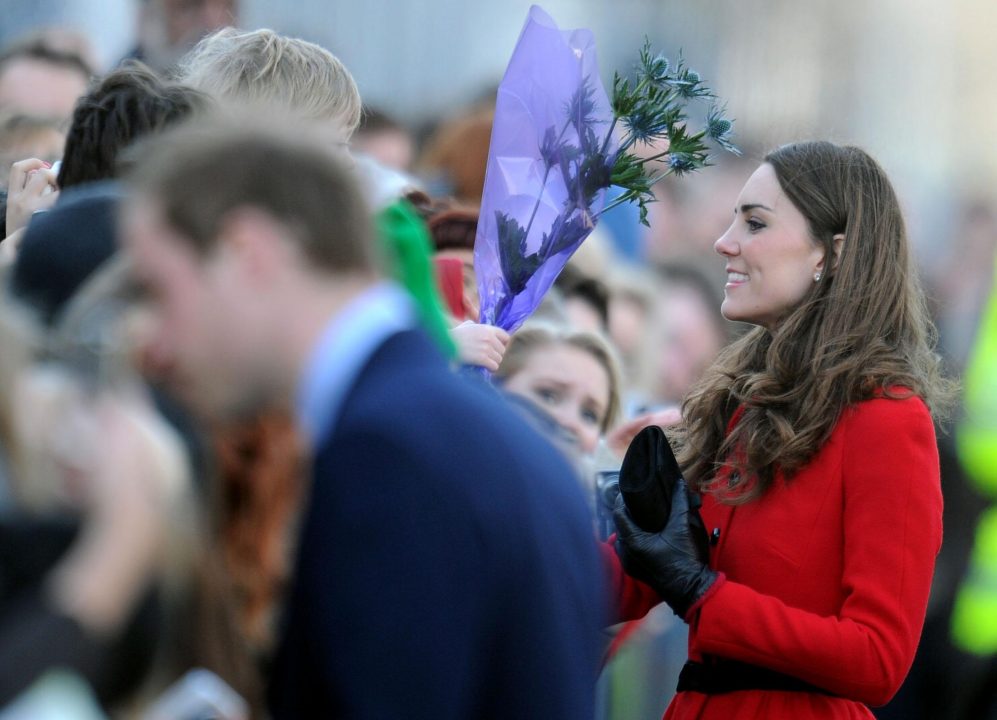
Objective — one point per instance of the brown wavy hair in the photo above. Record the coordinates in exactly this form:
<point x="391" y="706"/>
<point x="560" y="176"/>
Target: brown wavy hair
<point x="862" y="330"/>
<point x="261" y="479"/>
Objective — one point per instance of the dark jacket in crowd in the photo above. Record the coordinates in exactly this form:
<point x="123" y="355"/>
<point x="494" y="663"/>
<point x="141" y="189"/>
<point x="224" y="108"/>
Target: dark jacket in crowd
<point x="446" y="566"/>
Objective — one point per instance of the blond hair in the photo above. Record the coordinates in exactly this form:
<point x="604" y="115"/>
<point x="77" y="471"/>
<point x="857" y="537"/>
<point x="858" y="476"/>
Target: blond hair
<point x="200" y="173"/>
<point x="264" y="68"/>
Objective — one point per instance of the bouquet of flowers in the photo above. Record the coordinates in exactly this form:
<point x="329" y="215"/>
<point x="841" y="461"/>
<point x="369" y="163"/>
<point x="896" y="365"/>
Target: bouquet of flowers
<point x="555" y="151"/>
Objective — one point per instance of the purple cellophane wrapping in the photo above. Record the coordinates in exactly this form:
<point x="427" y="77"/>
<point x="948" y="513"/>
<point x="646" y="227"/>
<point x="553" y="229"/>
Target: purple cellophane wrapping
<point x="547" y="68"/>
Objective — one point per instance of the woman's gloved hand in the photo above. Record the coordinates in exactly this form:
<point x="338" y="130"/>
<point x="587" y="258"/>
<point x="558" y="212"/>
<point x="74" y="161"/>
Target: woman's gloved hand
<point x="673" y="561"/>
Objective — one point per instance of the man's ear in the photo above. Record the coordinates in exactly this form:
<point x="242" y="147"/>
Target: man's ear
<point x="255" y="240"/>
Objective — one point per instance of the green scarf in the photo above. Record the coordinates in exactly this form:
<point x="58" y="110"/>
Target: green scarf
<point x="407" y="249"/>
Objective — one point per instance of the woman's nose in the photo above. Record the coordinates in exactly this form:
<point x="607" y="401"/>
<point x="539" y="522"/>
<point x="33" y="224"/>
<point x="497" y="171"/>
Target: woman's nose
<point x="725" y="244"/>
<point x="569" y="423"/>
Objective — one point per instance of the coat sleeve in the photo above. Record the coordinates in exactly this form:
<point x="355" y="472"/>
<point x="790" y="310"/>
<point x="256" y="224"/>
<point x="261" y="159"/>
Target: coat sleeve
<point x="892" y="533"/>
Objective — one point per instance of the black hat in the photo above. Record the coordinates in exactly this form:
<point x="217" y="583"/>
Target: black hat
<point x="64" y="246"/>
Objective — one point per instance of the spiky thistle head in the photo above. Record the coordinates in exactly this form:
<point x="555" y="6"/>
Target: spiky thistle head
<point x="688" y="83"/>
<point x="653" y="68"/>
<point x="681" y="163"/>
<point x="720" y="129"/>
<point x="581" y="107"/>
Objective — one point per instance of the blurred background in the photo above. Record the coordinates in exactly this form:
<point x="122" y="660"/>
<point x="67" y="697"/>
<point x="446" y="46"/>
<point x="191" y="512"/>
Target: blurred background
<point x="905" y="79"/>
<point x="908" y="80"/>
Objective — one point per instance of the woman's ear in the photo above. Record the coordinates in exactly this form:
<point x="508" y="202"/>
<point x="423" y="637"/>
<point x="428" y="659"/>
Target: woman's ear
<point x="838" y="240"/>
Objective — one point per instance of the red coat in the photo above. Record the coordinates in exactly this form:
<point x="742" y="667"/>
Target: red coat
<point x="827" y="576"/>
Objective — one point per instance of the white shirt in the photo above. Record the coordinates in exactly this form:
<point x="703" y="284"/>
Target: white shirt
<point x="344" y="347"/>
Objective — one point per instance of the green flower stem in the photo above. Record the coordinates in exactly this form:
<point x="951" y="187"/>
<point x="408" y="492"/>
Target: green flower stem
<point x="618" y="201"/>
<point x="536" y="205"/>
<point x="609" y="135"/>
<point x="659" y="178"/>
<point x="654" y="157"/>
<point x="624" y="199"/>
<point x="543" y="183"/>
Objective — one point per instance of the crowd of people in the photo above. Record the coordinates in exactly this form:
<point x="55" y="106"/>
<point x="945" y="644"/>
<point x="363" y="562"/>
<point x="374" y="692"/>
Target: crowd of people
<point x="259" y="457"/>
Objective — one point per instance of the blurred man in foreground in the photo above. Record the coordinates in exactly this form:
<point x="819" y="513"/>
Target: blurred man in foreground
<point x="446" y="566"/>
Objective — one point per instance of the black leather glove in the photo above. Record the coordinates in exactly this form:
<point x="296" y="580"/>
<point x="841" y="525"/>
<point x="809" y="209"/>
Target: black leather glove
<point x="696" y="527"/>
<point x="673" y="561"/>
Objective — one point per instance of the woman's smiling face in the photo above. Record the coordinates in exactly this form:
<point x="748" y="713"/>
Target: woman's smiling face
<point x="771" y="257"/>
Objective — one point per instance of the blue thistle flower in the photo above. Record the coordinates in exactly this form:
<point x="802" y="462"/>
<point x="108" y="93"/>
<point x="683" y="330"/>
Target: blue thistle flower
<point x="581" y="107"/>
<point x="681" y="163"/>
<point x="646" y="125"/>
<point x="549" y="147"/>
<point x="689" y="85"/>
<point x="651" y="109"/>
<point x="720" y="129"/>
<point x="655" y="68"/>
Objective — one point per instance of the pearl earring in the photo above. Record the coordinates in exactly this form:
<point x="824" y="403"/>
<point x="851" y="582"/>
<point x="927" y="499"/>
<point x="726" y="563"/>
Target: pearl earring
<point x="816" y="277"/>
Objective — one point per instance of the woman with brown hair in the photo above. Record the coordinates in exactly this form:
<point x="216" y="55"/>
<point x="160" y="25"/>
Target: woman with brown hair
<point x="810" y="442"/>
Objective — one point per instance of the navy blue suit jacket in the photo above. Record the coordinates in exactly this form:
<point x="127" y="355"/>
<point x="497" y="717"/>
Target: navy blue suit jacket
<point x="447" y="565"/>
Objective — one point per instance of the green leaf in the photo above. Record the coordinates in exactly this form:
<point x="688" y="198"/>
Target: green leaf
<point x="654" y="107"/>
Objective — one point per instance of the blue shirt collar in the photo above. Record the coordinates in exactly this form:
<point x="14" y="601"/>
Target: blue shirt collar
<point x="344" y="347"/>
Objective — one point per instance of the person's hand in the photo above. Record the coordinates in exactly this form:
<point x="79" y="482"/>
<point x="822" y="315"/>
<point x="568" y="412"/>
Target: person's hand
<point x="673" y="562"/>
<point x="32" y="187"/>
<point x="620" y="437"/>
<point x="482" y="345"/>
<point x="134" y="448"/>
<point x="9" y="247"/>
<point x="129" y="480"/>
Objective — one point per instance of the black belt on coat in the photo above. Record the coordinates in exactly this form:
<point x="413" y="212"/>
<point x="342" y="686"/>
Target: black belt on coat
<point x="723" y="676"/>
